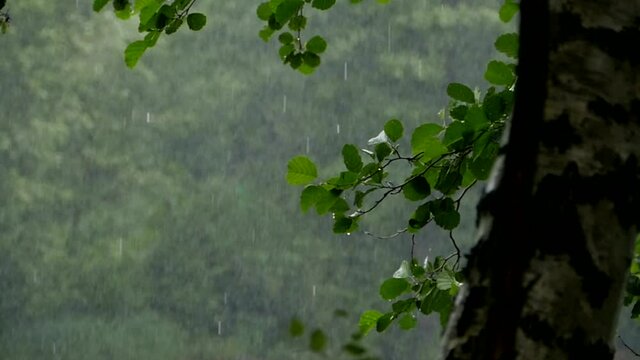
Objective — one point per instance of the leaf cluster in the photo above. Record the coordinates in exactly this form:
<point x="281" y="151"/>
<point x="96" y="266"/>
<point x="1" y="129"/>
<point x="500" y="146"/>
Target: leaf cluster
<point x="431" y="288"/>
<point x="155" y="18"/>
<point x="287" y="17"/>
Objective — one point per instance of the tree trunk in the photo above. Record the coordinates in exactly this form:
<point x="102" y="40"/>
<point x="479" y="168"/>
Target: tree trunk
<point x="557" y="223"/>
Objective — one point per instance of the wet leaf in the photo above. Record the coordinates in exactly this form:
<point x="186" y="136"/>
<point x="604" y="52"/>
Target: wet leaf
<point x="301" y="170"/>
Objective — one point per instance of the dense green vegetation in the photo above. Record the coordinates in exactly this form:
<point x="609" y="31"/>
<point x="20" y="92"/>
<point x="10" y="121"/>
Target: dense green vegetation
<point x="146" y="213"/>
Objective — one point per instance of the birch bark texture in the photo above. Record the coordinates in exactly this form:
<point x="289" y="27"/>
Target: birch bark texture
<point x="560" y="212"/>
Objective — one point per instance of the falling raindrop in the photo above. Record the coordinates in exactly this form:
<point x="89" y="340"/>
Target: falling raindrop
<point x="346" y="68"/>
<point x="337" y="128"/>
<point x="225" y="298"/>
<point x="219" y="327"/>
<point x="35" y="276"/>
<point x="308" y="145"/>
<point x="284" y="103"/>
<point x="313" y="291"/>
<point x="53" y="347"/>
<point x="229" y="156"/>
<point x="120" y="246"/>
<point x="389" y="38"/>
<point x="420" y="69"/>
<point x="148" y="117"/>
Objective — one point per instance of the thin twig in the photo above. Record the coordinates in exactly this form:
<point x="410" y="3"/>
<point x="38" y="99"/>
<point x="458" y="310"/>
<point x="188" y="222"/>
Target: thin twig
<point x="464" y="192"/>
<point x="628" y="347"/>
<point x="386" y="237"/>
<point x="453" y="241"/>
<point x="413" y="244"/>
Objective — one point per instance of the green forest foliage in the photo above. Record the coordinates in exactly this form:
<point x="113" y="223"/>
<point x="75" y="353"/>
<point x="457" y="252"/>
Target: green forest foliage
<point x="146" y="214"/>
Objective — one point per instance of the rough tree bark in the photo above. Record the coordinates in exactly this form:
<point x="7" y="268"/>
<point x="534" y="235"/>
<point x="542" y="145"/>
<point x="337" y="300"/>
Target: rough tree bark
<point x="557" y="223"/>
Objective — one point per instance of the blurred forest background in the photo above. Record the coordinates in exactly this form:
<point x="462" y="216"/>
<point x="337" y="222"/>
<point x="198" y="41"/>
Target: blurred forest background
<point x="144" y="213"/>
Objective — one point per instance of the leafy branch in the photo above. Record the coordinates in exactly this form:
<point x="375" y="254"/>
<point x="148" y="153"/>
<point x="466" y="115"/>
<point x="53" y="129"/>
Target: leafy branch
<point x="446" y="161"/>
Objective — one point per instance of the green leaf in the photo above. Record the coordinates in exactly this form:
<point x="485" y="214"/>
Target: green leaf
<point x="120" y="5"/>
<point x="295" y="60"/>
<point x="286" y="50"/>
<point x="449" y="180"/>
<point x="318" y="341"/>
<point x="404" y="271"/>
<point x="310" y="196"/>
<point x="382" y="150"/>
<point x="436" y="301"/>
<point x="458" y="112"/>
<point x="287" y="9"/>
<point x="384" y="321"/>
<point x="481" y="166"/>
<point x="296" y="328"/>
<point x="301" y="170"/>
<point x="499" y="73"/>
<point x="151" y="38"/>
<point x="457" y="135"/>
<point x="394" y="130"/>
<point x="408" y="322"/>
<point x="461" y="92"/>
<point x="173" y="26"/>
<point x="416" y="189"/>
<point x="196" y="21"/>
<point x="323" y="4"/>
<point x="494" y="107"/>
<point x="285" y="38"/>
<point x="316" y="45"/>
<point x="134" y="52"/>
<point x="306" y="69"/>
<point x="420" y="217"/>
<point x="266" y="33"/>
<point x="273" y="23"/>
<point x="508" y="10"/>
<point x="445" y="213"/>
<point x="264" y="11"/>
<point x="328" y="201"/>
<point x="352" y="159"/>
<point x="393" y="287"/>
<point x="311" y="59"/>
<point x="446" y="280"/>
<point x="475" y="118"/>
<point x="297" y="23"/>
<point x="508" y="44"/>
<point x="346" y="180"/>
<point x="275" y="3"/>
<point x="344" y="225"/>
<point x="340" y="206"/>
<point x="402" y="306"/>
<point x="368" y="321"/>
<point x="380" y="138"/>
<point x="424" y="140"/>
<point x="372" y="171"/>
<point x="99" y="4"/>
<point x="416" y="269"/>
<point x="125" y="13"/>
